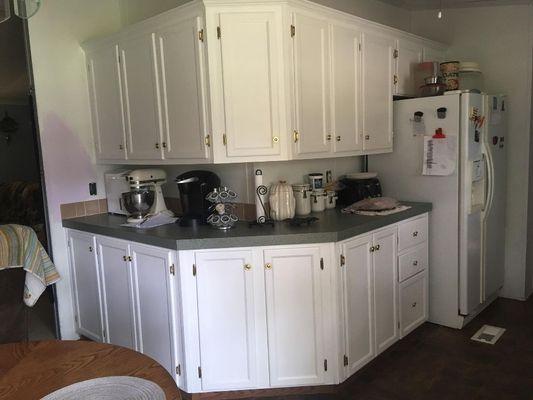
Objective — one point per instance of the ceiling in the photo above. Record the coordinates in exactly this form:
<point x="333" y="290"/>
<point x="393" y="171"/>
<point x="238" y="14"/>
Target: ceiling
<point x="435" y="4"/>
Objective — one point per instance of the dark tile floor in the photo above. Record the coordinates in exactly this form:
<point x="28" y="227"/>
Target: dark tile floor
<point x="435" y="363"/>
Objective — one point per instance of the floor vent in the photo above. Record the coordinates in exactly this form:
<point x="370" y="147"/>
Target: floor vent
<point x="488" y="334"/>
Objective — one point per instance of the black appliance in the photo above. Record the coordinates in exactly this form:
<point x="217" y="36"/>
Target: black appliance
<point x="354" y="190"/>
<point x="194" y="186"/>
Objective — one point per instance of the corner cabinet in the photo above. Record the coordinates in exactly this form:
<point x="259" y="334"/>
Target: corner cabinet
<point x="235" y="81"/>
<point x="254" y="317"/>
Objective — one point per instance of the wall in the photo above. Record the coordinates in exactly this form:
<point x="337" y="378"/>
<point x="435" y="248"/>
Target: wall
<point x="56" y="32"/>
<point x="497" y="37"/>
<point x="136" y="10"/>
<point x="17" y="157"/>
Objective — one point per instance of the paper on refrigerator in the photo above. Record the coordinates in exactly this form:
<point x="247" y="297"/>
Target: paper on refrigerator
<point x="440" y="156"/>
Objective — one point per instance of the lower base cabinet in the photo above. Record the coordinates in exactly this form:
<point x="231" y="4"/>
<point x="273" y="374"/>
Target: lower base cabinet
<point x="256" y="317"/>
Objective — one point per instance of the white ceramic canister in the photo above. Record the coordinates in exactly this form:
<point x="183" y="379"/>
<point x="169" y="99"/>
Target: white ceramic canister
<point x="331" y="199"/>
<point x="302" y="196"/>
<point x="318" y="200"/>
<point x="316" y="180"/>
<point x="282" y="202"/>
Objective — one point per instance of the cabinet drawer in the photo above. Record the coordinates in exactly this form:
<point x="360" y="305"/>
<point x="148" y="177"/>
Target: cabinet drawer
<point x="413" y="262"/>
<point x="412" y="233"/>
<point x="413" y="303"/>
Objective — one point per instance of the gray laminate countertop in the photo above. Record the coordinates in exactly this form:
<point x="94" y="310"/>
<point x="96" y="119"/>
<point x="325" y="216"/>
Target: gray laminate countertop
<point x="332" y="226"/>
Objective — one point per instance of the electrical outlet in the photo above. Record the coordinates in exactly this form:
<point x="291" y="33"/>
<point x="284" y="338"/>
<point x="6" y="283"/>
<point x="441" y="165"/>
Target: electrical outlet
<point x="92" y="188"/>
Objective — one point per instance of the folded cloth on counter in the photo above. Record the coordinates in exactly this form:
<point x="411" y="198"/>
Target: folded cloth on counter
<point x="152" y="221"/>
<point x="20" y="248"/>
<point x="375" y="206"/>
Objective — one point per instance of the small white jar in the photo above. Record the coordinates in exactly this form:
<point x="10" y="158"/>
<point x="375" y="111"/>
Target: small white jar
<point x="302" y="195"/>
<point x="316" y="180"/>
<point x="318" y="200"/>
<point x="331" y="199"/>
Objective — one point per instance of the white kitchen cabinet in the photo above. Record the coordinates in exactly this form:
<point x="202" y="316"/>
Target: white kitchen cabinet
<point x="413" y="302"/>
<point x="107" y="108"/>
<point x="247" y="78"/>
<point x="155" y="313"/>
<point x="357" y="283"/>
<point x="378" y="82"/>
<point x="86" y="289"/>
<point x="182" y="69"/>
<point x="385" y="287"/>
<point x="230" y="303"/>
<point x="311" y="57"/>
<point x="346" y="89"/>
<point x="294" y="302"/>
<point x="408" y="56"/>
<point x="117" y="292"/>
<point x="141" y="96"/>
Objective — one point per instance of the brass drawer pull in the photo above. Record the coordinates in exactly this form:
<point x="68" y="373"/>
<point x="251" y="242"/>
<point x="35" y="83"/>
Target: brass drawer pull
<point x="268" y="266"/>
<point x="415" y="233"/>
<point x="247" y="267"/>
<point x="413" y="305"/>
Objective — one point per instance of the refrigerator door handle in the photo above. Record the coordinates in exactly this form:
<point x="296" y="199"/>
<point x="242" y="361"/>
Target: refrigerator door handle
<point x="489" y="196"/>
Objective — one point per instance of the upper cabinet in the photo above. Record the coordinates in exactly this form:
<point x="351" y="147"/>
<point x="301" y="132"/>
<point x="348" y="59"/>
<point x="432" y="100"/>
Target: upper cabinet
<point x="230" y="81"/>
<point x="246" y="80"/>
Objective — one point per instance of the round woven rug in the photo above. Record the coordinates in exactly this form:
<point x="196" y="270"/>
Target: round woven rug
<point x="111" y="387"/>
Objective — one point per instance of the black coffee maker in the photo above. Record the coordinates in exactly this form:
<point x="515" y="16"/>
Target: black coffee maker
<point x="194" y="186"/>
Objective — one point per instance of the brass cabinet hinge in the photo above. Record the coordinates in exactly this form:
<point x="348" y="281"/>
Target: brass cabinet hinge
<point x="201" y="35"/>
<point x="200" y="372"/>
<point x="178" y="370"/>
<point x="207" y="140"/>
<point x="224" y="140"/>
<point x="360" y="47"/>
<point x="395" y="79"/>
<point x="194" y="270"/>
<point x="172" y="270"/>
<point x="76" y="318"/>
<point x="343" y="260"/>
<point x="295" y="136"/>
<point x="325" y="365"/>
<point x="322" y="263"/>
<point x="395" y="53"/>
<point x="219" y="32"/>
<point x="104" y="333"/>
<point x="293" y="30"/>
<point x="345" y="360"/>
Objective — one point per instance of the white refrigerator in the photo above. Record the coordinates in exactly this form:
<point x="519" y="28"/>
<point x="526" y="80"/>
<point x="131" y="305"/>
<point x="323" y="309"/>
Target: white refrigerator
<point x="464" y="178"/>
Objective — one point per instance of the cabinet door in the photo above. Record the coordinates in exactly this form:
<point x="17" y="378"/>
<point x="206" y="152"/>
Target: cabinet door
<point x="153" y="288"/>
<point x="117" y="283"/>
<point x="346" y="89"/>
<point x="251" y="69"/>
<point x="311" y="86"/>
<point x="105" y="90"/>
<point x="385" y="288"/>
<point x="85" y="279"/>
<point x="357" y="286"/>
<point x="294" y="316"/>
<point x="141" y="94"/>
<point x="183" y="90"/>
<point x="378" y="82"/>
<point x="229" y="324"/>
<point x="413" y="302"/>
<point x="409" y="56"/>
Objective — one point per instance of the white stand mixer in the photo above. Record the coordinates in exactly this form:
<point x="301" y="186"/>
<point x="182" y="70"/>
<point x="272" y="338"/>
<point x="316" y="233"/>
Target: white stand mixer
<point x="149" y="179"/>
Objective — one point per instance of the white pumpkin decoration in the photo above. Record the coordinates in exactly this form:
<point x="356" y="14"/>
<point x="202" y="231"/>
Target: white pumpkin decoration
<point x="282" y="202"/>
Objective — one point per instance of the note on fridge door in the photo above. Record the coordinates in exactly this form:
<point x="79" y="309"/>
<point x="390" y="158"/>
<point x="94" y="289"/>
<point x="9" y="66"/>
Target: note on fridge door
<point x="440" y="156"/>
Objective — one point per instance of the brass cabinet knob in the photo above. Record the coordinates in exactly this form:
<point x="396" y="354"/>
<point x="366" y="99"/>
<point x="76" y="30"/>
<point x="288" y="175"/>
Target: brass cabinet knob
<point x="164" y="145"/>
<point x="377" y="247"/>
<point x="268" y="266"/>
<point x="91" y="249"/>
<point x="275" y="139"/>
<point x="247" y="267"/>
<point x="125" y="258"/>
<point x="413" y="305"/>
<point x="338" y="138"/>
<point x="367" y="137"/>
<point x="130" y="258"/>
<point x="415" y="233"/>
<point x="121" y="147"/>
<point x="372" y="249"/>
<point x="415" y="263"/>
<point x="328" y="137"/>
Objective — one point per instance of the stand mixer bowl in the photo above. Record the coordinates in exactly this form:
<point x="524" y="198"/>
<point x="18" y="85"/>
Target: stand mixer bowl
<point x="138" y="202"/>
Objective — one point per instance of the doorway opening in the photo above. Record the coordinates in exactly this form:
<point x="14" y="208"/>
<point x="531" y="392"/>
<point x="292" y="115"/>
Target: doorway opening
<point x="22" y="190"/>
